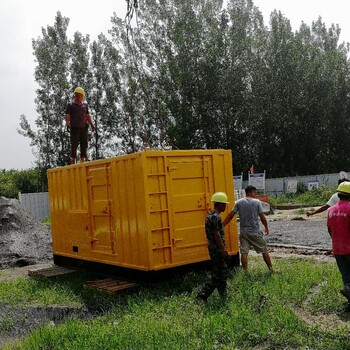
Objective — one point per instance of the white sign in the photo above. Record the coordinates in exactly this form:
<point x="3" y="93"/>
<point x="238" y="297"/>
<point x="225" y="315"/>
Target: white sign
<point x="238" y="182"/>
<point x="312" y="185"/>
<point x="292" y="186"/>
<point x="257" y="180"/>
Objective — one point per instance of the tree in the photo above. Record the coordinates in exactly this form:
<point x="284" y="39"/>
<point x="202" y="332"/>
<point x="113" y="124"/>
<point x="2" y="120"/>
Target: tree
<point x="14" y="181"/>
<point x="51" y="73"/>
<point x="192" y="74"/>
<point x="105" y="96"/>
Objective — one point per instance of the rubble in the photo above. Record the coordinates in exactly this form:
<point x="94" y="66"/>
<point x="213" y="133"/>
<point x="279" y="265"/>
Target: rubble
<point x="23" y="240"/>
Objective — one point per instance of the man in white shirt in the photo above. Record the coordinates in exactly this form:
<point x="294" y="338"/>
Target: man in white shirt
<point x="332" y="201"/>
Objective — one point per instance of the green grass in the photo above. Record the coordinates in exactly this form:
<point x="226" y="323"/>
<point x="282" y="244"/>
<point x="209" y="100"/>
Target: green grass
<point x="316" y="197"/>
<point x="258" y="313"/>
<point x="300" y="211"/>
<point x="67" y="290"/>
<point x="46" y="221"/>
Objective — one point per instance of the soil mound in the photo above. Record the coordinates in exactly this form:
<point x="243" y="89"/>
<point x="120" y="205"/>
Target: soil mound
<point x="23" y="240"/>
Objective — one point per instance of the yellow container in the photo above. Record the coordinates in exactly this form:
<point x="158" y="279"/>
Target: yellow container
<point x="144" y="211"/>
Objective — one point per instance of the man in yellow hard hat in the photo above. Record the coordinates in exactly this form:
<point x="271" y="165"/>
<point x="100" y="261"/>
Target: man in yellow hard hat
<point x="214" y="231"/>
<point x="338" y="224"/>
<point x="78" y="120"/>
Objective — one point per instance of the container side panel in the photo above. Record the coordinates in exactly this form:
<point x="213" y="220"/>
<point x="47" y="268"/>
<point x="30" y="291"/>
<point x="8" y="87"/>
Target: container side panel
<point x="99" y="213"/>
<point x="131" y="224"/>
<point x="158" y="209"/>
<point x="189" y="177"/>
<point x="78" y="237"/>
<point x="69" y="210"/>
<point x="102" y="220"/>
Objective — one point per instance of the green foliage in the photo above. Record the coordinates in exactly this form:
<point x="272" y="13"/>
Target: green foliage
<point x="260" y="311"/>
<point x="196" y="74"/>
<point x="318" y="196"/>
<point x="300" y="211"/>
<point x="301" y="188"/>
<point x="14" y="181"/>
<point x="46" y="221"/>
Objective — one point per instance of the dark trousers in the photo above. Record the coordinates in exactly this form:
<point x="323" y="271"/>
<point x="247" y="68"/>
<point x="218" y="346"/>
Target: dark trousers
<point x="343" y="262"/>
<point x="79" y="136"/>
<point x="217" y="280"/>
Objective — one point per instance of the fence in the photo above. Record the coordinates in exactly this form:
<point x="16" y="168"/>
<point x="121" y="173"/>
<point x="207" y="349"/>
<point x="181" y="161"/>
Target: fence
<point x="36" y="203"/>
<point x="278" y="186"/>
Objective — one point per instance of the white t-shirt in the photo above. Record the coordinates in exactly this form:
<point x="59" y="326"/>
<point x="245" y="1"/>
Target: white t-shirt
<point x="333" y="200"/>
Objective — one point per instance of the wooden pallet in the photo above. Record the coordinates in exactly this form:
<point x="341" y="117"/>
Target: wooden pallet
<point x="110" y="285"/>
<point x="51" y="272"/>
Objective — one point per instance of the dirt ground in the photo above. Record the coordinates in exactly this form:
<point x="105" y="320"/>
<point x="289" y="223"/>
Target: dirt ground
<point x="289" y="227"/>
<point x="25" y="244"/>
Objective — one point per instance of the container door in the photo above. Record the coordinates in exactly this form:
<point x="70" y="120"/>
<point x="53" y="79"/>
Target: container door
<point x="190" y="184"/>
<point x="101" y="209"/>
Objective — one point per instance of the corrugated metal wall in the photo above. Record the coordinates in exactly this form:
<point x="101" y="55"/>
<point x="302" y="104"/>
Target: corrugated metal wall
<point x="36" y="203"/>
<point x="278" y="186"/>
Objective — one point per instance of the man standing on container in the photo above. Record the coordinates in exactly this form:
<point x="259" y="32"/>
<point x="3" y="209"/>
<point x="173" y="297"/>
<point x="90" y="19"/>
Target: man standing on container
<point x="78" y="120"/>
<point x="214" y="231"/>
<point x="338" y="224"/>
<point x="250" y="210"/>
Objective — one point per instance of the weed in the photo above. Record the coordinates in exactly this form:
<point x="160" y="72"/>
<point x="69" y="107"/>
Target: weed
<point x="300" y="211"/>
<point x="316" y="197"/>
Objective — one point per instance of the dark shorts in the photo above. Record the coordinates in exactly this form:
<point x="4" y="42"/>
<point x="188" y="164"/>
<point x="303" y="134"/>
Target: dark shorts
<point x="79" y="136"/>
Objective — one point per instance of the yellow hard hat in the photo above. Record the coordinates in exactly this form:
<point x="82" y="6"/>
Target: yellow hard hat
<point x="79" y="90"/>
<point x="344" y="187"/>
<point x="220" y="197"/>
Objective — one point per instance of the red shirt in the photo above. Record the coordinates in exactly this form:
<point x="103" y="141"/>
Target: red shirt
<point x="78" y="113"/>
<point x="338" y="224"/>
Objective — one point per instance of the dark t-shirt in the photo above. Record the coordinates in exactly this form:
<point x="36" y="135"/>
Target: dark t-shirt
<point x="77" y="114"/>
<point x="213" y="223"/>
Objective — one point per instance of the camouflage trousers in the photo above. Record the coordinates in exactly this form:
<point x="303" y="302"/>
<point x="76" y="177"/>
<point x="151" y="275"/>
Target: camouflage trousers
<point x="218" y="279"/>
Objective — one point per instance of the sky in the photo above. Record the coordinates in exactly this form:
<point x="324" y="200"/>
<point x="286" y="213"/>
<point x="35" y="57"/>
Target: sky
<point x="22" y="20"/>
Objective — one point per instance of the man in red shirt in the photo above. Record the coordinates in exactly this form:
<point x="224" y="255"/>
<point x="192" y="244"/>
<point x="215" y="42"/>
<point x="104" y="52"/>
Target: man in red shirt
<point x="338" y="224"/>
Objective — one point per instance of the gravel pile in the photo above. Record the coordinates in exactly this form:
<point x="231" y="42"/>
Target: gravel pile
<point x="23" y="240"/>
